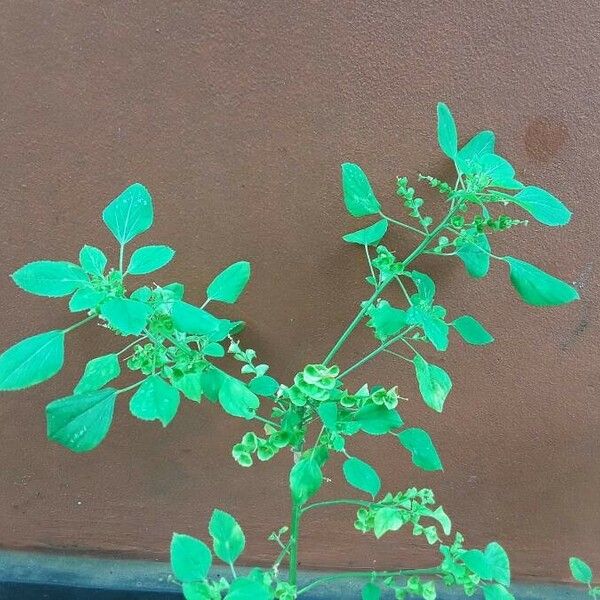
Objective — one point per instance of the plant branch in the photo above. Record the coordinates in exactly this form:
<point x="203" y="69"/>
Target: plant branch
<point x="401" y="224"/>
<point x="348" y="502"/>
<point x="79" y="324"/>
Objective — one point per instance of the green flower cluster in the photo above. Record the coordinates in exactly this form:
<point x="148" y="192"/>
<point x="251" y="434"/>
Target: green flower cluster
<point x="313" y="385"/>
<point x="412" y="202"/>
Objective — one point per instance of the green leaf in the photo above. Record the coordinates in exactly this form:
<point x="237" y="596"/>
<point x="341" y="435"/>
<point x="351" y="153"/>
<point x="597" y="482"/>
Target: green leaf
<point x="190" y="558"/>
<point x="362" y="476"/>
<point x="368" y="236"/>
<point x="475" y="254"/>
<point x="359" y="198"/>
<point x="127" y="316"/>
<point x="84" y="299"/>
<point x="419" y="444"/>
<point x="264" y="385"/>
<point x="212" y="380"/>
<point x="92" y="260"/>
<point x="50" y="278"/>
<point x="434" y="383"/>
<point x="228" y="285"/>
<point x="213" y="349"/>
<point x="130" y="213"/>
<point x="425" y="287"/>
<point x="387" y="519"/>
<point x="155" y="399"/>
<point x="386" y="320"/>
<point x="80" y="422"/>
<point x="236" y="399"/>
<point x="491" y="564"/>
<point x="377" y="420"/>
<point x="542" y="206"/>
<point x="498" y="169"/>
<point x="190" y="385"/>
<point x="496" y="592"/>
<point x="244" y="588"/>
<point x="191" y="319"/>
<point x="149" y="258"/>
<point x="537" y="287"/>
<point x="305" y="479"/>
<point x="472" y="331"/>
<point x="446" y="131"/>
<point x="479" y="145"/>
<point x="98" y="372"/>
<point x="328" y="413"/>
<point x="435" y="329"/>
<point x="32" y="360"/>
<point x="228" y="538"/>
<point x="580" y="570"/>
<point x="142" y="294"/>
<point x="371" y="592"/>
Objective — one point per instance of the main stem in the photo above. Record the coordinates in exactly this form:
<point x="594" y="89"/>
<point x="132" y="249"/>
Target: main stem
<point x="294" y="535"/>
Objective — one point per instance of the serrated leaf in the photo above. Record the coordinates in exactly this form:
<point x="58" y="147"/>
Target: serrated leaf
<point x="359" y="198"/>
<point x="435" y="329"/>
<point x="328" y="413"/>
<point x="306" y="479"/>
<point x="475" y="254"/>
<point x="228" y="538"/>
<point x="80" y="422"/>
<point x="423" y="452"/>
<point x="85" y="298"/>
<point x="472" y="331"/>
<point x="362" y="476"/>
<point x="434" y="383"/>
<point x="98" y="372"/>
<point x="129" y="317"/>
<point x="149" y="258"/>
<point x="387" y="519"/>
<point x="130" y="213"/>
<point x="228" y="285"/>
<point x="236" y="399"/>
<point x="386" y="320"/>
<point x="377" y="420"/>
<point x="190" y="558"/>
<point x="92" y="260"/>
<point x="446" y="131"/>
<point x="542" y="206"/>
<point x="32" y="360"/>
<point x="155" y="399"/>
<point x="538" y="288"/>
<point x="580" y="570"/>
<point x="368" y="236"/>
<point x="50" y="278"/>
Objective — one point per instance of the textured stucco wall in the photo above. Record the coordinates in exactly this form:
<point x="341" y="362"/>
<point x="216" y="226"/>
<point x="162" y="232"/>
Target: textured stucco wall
<point x="236" y="115"/>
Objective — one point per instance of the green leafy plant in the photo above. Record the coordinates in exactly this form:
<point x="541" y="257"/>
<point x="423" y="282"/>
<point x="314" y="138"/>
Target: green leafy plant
<point x="176" y="346"/>
<point x="582" y="573"/>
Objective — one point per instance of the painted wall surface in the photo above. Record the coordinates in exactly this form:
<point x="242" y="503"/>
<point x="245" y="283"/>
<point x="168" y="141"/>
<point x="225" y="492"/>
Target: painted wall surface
<point x="236" y="115"/>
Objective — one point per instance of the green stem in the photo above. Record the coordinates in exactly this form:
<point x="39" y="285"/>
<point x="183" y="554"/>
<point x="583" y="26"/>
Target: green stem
<point x="78" y="324"/>
<point x="293" y="547"/>
<point x="370" y="575"/>
<point x="121" y="250"/>
<point x="131" y="387"/>
<point x="401" y="224"/>
<point x="337" y="503"/>
<point x="131" y="345"/>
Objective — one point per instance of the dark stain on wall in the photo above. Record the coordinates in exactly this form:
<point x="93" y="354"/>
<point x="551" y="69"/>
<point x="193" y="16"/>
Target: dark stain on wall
<point x="236" y="115"/>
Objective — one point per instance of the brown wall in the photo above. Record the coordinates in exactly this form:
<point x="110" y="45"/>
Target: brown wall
<point x="236" y="116"/>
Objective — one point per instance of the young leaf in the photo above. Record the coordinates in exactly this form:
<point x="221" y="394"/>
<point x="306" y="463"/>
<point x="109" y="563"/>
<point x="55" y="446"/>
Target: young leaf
<point x="419" y="444"/>
<point x="434" y="383"/>
<point x="377" y="420"/>
<point x="371" y="592"/>
<point x="244" y="588"/>
<point x="537" y="287"/>
<point x="155" y="399"/>
<point x="496" y="592"/>
<point x="542" y="206"/>
<point x="387" y="519"/>
<point x="50" y="278"/>
<point x="368" y="236"/>
<point x="359" y="198"/>
<point x="491" y="564"/>
<point x="236" y="399"/>
<point x="446" y="131"/>
<point x="190" y="385"/>
<point x="479" y="145"/>
<point x="435" y="329"/>
<point x="580" y="570"/>
<point x="362" y="476"/>
<point x="92" y="260"/>
<point x="472" y="331"/>
<point x="85" y="298"/>
<point x="475" y="254"/>
<point x="149" y="258"/>
<point x="264" y="385"/>
<point x="32" y="360"/>
<point x="328" y="412"/>
<point x="190" y="558"/>
<point x="130" y="213"/>
<point x="228" y="538"/>
<point x="127" y="316"/>
<point x="386" y="320"/>
<point x="80" y="422"/>
<point x="228" y="285"/>
<point x="98" y="372"/>
<point x="305" y="479"/>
